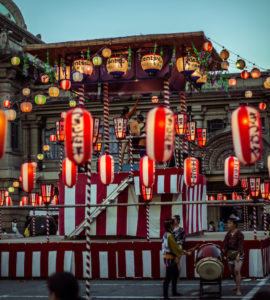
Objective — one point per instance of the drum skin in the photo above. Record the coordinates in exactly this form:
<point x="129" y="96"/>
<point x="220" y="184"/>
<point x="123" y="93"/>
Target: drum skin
<point x="209" y="262"/>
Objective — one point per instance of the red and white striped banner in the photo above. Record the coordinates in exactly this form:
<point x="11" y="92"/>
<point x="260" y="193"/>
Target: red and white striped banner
<point x="114" y="260"/>
<point x="131" y="221"/>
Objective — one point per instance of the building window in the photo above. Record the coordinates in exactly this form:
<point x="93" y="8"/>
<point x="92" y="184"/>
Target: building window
<point x="214" y="125"/>
<point x="15" y="136"/>
<point x="54" y="152"/>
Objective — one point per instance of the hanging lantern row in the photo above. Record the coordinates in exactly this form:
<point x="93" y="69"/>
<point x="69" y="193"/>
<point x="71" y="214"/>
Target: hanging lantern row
<point x="247" y="134"/>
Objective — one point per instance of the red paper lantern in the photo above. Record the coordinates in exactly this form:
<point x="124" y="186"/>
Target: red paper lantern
<point x="191" y="131"/>
<point x="231" y="171"/>
<point x="3" y="132"/>
<point x="65" y="84"/>
<point x="180" y="123"/>
<point x="120" y="127"/>
<point x="147" y="171"/>
<point x="247" y="134"/>
<point x="239" y="197"/>
<point x="244" y="74"/>
<point x="211" y="198"/>
<point x="234" y="196"/>
<point x="40" y="201"/>
<point x="147" y="193"/>
<point x="232" y="82"/>
<point x="160" y="134"/>
<point x="69" y="173"/>
<point x="191" y="171"/>
<point x="262" y="106"/>
<point x="244" y="184"/>
<point x="26" y="106"/>
<point x="254" y="186"/>
<point x="2" y="197"/>
<point x="96" y="122"/>
<point x="219" y="196"/>
<point x="207" y="46"/>
<point x="264" y="189"/>
<point x="28" y="174"/>
<point x="224" y="198"/>
<point x="24" y="201"/>
<point x="79" y="135"/>
<point x="201" y="136"/>
<point x="33" y="199"/>
<point x="60" y="131"/>
<point x="7" y="103"/>
<point x="106" y="168"/>
<point x="47" y="193"/>
<point x="8" y="201"/>
<point x="255" y="73"/>
<point x="54" y="200"/>
<point x="52" y="138"/>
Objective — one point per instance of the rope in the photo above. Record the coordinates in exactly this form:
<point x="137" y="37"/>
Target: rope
<point x="88" y="240"/>
<point x="61" y="156"/>
<point x="245" y="217"/>
<point x="177" y="142"/>
<point x="106" y="117"/>
<point x="183" y="141"/>
<point x="166" y="93"/>
<point x="131" y="157"/>
<point x="264" y="220"/>
<point x="119" y="157"/>
<point x="34" y="222"/>
<point x="47" y="224"/>
<point x="81" y="95"/>
<point x="255" y="222"/>
<point x="147" y="223"/>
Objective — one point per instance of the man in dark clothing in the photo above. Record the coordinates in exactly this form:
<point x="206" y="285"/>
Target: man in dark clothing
<point x="171" y="251"/>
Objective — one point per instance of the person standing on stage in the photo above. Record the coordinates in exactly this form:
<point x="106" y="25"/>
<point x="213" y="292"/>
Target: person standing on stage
<point x="179" y="235"/>
<point x="221" y="225"/>
<point x="233" y="247"/>
<point x="171" y="251"/>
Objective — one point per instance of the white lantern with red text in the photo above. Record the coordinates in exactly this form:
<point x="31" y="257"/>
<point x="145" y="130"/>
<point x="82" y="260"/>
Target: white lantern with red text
<point x="160" y="134"/>
<point x="247" y="134"/>
<point x="106" y="168"/>
<point x="147" y="171"/>
<point x="28" y="174"/>
<point x="69" y="173"/>
<point x="191" y="171"/>
<point x="231" y="171"/>
<point x="79" y="135"/>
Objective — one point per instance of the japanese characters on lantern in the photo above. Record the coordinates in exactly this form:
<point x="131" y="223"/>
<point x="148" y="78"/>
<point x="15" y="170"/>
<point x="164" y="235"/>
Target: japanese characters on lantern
<point x="160" y="134"/>
<point x="191" y="171"/>
<point x="247" y="134"/>
<point x="79" y="135"/>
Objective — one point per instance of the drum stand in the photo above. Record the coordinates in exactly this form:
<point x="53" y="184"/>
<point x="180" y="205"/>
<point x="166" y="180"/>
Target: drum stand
<point x="209" y="294"/>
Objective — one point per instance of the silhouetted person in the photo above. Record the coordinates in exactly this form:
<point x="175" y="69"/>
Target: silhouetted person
<point x="63" y="286"/>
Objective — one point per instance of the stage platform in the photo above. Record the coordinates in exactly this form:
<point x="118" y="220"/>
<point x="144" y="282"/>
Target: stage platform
<point x="116" y="258"/>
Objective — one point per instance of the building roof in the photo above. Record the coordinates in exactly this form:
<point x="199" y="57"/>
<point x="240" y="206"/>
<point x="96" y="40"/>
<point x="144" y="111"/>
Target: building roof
<point x="64" y="49"/>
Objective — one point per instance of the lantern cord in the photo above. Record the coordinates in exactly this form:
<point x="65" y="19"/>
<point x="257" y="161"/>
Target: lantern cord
<point x="61" y="156"/>
<point x="34" y="222"/>
<point x="119" y="157"/>
<point x="106" y="117"/>
<point x="131" y="157"/>
<point x="166" y="93"/>
<point x="88" y="223"/>
<point x="47" y="224"/>
<point x="264" y="219"/>
<point x="147" y="223"/>
<point x="81" y="95"/>
<point x="255" y="222"/>
<point x="245" y="218"/>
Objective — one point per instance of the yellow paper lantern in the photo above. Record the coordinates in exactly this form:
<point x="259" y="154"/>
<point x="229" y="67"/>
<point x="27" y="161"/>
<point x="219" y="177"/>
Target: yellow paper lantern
<point x="83" y="66"/>
<point x="16" y="184"/>
<point x="54" y="91"/>
<point x="224" y="54"/>
<point x="155" y="99"/>
<point x="186" y="64"/>
<point x="117" y="66"/>
<point x="266" y="85"/>
<point x="46" y="148"/>
<point x="232" y="82"/>
<point x="26" y="92"/>
<point x="248" y="94"/>
<point x="225" y="65"/>
<point x="255" y="73"/>
<point x="11" y="114"/>
<point x="152" y="63"/>
<point x="106" y="52"/>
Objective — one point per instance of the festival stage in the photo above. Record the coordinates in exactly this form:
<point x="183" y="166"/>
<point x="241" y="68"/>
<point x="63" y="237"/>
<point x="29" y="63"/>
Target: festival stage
<point x="116" y="259"/>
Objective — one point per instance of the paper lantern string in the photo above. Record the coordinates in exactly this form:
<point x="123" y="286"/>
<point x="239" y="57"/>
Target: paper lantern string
<point x="25" y="66"/>
<point x="166" y="93"/>
<point x="106" y="117"/>
<point x="173" y="56"/>
<point x="88" y="54"/>
<point x="129" y="58"/>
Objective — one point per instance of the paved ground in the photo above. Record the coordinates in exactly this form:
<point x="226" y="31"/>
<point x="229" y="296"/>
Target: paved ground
<point x="127" y="289"/>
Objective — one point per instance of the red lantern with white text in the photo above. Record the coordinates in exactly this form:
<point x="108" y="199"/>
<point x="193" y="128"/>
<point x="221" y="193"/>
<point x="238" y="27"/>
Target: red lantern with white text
<point x="244" y="74"/>
<point x="120" y="127"/>
<point x="211" y="198"/>
<point x="96" y="122"/>
<point x="244" y="184"/>
<point x="254" y="186"/>
<point x="231" y="171"/>
<point x="207" y="46"/>
<point x="264" y="189"/>
<point x="3" y="132"/>
<point x="147" y="171"/>
<point x="7" y="103"/>
<point x="65" y="84"/>
<point x="191" y="131"/>
<point x="47" y="193"/>
<point x="79" y="135"/>
<point x="52" y="138"/>
<point x="106" y="168"/>
<point x="247" y="134"/>
<point x="201" y="136"/>
<point x="160" y="134"/>
<point x="147" y="193"/>
<point x="191" y="171"/>
<point x="28" y="174"/>
<point x="33" y="199"/>
<point x="60" y="130"/>
<point x="69" y="173"/>
<point x="180" y="123"/>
